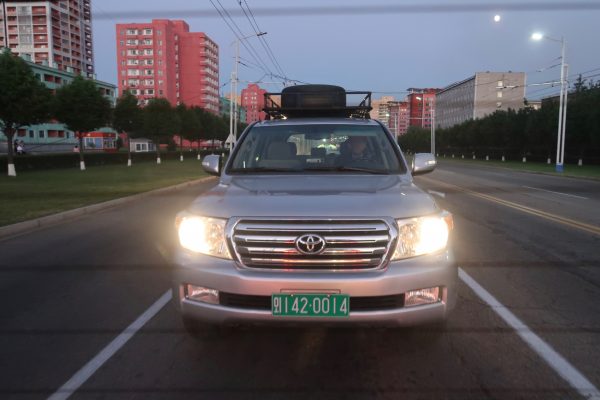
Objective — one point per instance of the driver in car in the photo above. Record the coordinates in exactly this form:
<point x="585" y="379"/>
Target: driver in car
<point x="354" y="150"/>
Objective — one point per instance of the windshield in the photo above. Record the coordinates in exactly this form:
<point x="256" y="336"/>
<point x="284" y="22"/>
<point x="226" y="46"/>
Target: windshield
<point x="340" y="148"/>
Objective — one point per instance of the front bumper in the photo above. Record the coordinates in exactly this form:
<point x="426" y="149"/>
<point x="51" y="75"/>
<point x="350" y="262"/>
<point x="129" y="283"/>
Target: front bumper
<point x="399" y="277"/>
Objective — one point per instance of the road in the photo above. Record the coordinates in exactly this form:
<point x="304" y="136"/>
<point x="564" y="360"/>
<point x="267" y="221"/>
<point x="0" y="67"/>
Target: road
<point x="530" y="241"/>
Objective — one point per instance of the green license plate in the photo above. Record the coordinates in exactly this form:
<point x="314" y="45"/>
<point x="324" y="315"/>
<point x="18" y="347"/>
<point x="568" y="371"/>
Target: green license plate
<point x="310" y="305"/>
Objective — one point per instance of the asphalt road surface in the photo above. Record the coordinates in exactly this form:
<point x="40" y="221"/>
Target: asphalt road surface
<point x="527" y="323"/>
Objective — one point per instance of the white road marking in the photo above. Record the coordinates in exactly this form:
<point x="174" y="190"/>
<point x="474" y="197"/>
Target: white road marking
<point x="551" y="191"/>
<point x="557" y="362"/>
<point x="107" y="352"/>
<point x="439" y="194"/>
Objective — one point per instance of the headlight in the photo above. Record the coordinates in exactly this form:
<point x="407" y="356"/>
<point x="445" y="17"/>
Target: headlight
<point x="203" y="235"/>
<point x="418" y="236"/>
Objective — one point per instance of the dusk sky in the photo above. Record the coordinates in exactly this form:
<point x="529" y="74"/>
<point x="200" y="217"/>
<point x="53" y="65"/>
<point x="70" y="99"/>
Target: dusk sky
<point x="383" y="52"/>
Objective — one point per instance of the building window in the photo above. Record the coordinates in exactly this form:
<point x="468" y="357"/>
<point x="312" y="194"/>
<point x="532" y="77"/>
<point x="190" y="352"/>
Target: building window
<point x="147" y="31"/>
<point x="500" y="83"/>
<point x="499" y="104"/>
<point x="131" y="31"/>
<point x="499" y="95"/>
<point x="41" y="134"/>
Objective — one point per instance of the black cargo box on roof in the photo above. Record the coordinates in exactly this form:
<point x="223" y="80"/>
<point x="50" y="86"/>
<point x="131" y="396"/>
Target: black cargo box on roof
<point x="304" y="101"/>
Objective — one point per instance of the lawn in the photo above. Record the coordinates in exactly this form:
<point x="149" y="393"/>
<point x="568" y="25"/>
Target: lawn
<point x="585" y="171"/>
<point x="38" y="193"/>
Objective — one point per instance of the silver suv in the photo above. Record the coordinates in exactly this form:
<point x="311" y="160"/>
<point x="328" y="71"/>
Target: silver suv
<point x="315" y="220"/>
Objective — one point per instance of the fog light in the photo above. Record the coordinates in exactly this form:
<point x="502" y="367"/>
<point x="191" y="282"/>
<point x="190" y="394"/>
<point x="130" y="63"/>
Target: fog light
<point x="422" y="296"/>
<point x="202" y="294"/>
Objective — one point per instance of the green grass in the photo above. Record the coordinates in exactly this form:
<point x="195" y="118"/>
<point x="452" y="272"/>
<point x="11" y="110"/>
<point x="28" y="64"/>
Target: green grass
<point x="585" y="171"/>
<point x="38" y="193"/>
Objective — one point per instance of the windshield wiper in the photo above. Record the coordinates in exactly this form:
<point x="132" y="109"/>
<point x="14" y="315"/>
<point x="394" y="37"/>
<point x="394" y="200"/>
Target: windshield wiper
<point x="349" y="169"/>
<point x="262" y="169"/>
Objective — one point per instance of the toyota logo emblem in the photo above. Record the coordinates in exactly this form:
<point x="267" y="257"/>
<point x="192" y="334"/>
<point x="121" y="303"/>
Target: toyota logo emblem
<point x="310" y="244"/>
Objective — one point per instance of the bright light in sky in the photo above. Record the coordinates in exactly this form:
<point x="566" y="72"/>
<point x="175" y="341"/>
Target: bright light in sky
<point x="537" y="36"/>
<point x="497" y="18"/>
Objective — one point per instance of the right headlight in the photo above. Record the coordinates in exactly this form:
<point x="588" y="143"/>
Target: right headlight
<point x="424" y="235"/>
<point x="202" y="235"/>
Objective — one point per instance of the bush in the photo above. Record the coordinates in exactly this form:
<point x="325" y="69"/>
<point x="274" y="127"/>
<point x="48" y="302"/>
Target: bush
<point x="71" y="160"/>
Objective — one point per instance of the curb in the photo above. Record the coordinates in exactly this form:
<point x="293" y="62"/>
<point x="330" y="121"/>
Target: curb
<point x="53" y="219"/>
<point x="587" y="178"/>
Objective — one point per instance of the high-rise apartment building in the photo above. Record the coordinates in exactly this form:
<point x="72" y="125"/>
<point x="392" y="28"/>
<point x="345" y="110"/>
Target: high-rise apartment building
<point x="253" y="100"/>
<point x="380" y="109"/>
<point x="163" y="58"/>
<point x="480" y="95"/>
<point x="56" y="33"/>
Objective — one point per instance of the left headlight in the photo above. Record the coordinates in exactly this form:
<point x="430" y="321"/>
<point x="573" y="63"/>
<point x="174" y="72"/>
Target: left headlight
<point x="425" y="235"/>
<point x="203" y="235"/>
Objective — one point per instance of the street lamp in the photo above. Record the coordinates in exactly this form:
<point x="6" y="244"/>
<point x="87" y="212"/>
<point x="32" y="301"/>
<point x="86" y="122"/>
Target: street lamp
<point x="388" y="115"/>
<point x="562" y="109"/>
<point x="233" y="107"/>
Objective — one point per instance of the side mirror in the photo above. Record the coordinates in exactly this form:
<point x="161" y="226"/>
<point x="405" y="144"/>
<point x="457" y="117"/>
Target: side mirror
<point x="211" y="164"/>
<point x="423" y="163"/>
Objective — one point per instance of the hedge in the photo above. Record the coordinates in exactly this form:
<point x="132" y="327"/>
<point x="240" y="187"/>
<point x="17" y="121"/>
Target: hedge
<point x="71" y="160"/>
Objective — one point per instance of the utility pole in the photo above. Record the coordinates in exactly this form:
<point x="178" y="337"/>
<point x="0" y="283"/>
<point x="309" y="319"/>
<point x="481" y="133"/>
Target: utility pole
<point x="562" y="117"/>
<point x="234" y="99"/>
<point x="433" y="131"/>
<point x="564" y="94"/>
<point x="233" y="121"/>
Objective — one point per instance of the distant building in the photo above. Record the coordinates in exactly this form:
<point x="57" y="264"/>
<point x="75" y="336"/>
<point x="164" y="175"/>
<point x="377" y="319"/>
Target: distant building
<point x="253" y="100"/>
<point x="380" y="109"/>
<point x="480" y="95"/>
<point x="225" y="107"/>
<point x="398" y="121"/>
<point x="54" y="136"/>
<point x="422" y="106"/>
<point x="163" y="58"/>
<point x="53" y="33"/>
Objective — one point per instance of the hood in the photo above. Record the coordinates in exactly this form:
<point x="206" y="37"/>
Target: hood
<point x="314" y="196"/>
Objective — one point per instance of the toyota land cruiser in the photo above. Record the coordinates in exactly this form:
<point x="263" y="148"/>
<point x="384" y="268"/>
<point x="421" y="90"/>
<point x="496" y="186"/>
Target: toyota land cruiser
<point x="315" y="220"/>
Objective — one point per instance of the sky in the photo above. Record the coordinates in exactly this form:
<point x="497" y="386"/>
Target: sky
<point x="383" y="52"/>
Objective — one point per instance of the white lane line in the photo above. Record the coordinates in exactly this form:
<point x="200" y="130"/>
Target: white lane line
<point x="552" y="191"/>
<point x="439" y="194"/>
<point x="557" y="362"/>
<point x="106" y="353"/>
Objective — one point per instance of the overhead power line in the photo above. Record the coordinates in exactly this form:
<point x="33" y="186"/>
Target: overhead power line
<point x="261" y="38"/>
<point x="374" y="9"/>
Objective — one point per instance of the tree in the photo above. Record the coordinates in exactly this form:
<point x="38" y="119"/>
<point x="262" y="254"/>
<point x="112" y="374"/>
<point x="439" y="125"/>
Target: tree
<point x="24" y="100"/>
<point x="191" y="126"/>
<point x="159" y="120"/>
<point x="82" y="108"/>
<point x="127" y="117"/>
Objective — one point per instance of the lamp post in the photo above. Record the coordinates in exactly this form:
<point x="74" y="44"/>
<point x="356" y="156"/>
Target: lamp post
<point x="432" y="127"/>
<point x="233" y="121"/>
<point x="562" y="109"/>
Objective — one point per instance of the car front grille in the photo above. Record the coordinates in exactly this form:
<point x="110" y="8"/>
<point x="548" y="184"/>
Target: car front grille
<point x="349" y="244"/>
<point x="374" y="303"/>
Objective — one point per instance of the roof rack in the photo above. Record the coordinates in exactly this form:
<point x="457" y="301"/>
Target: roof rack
<point x="306" y="101"/>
